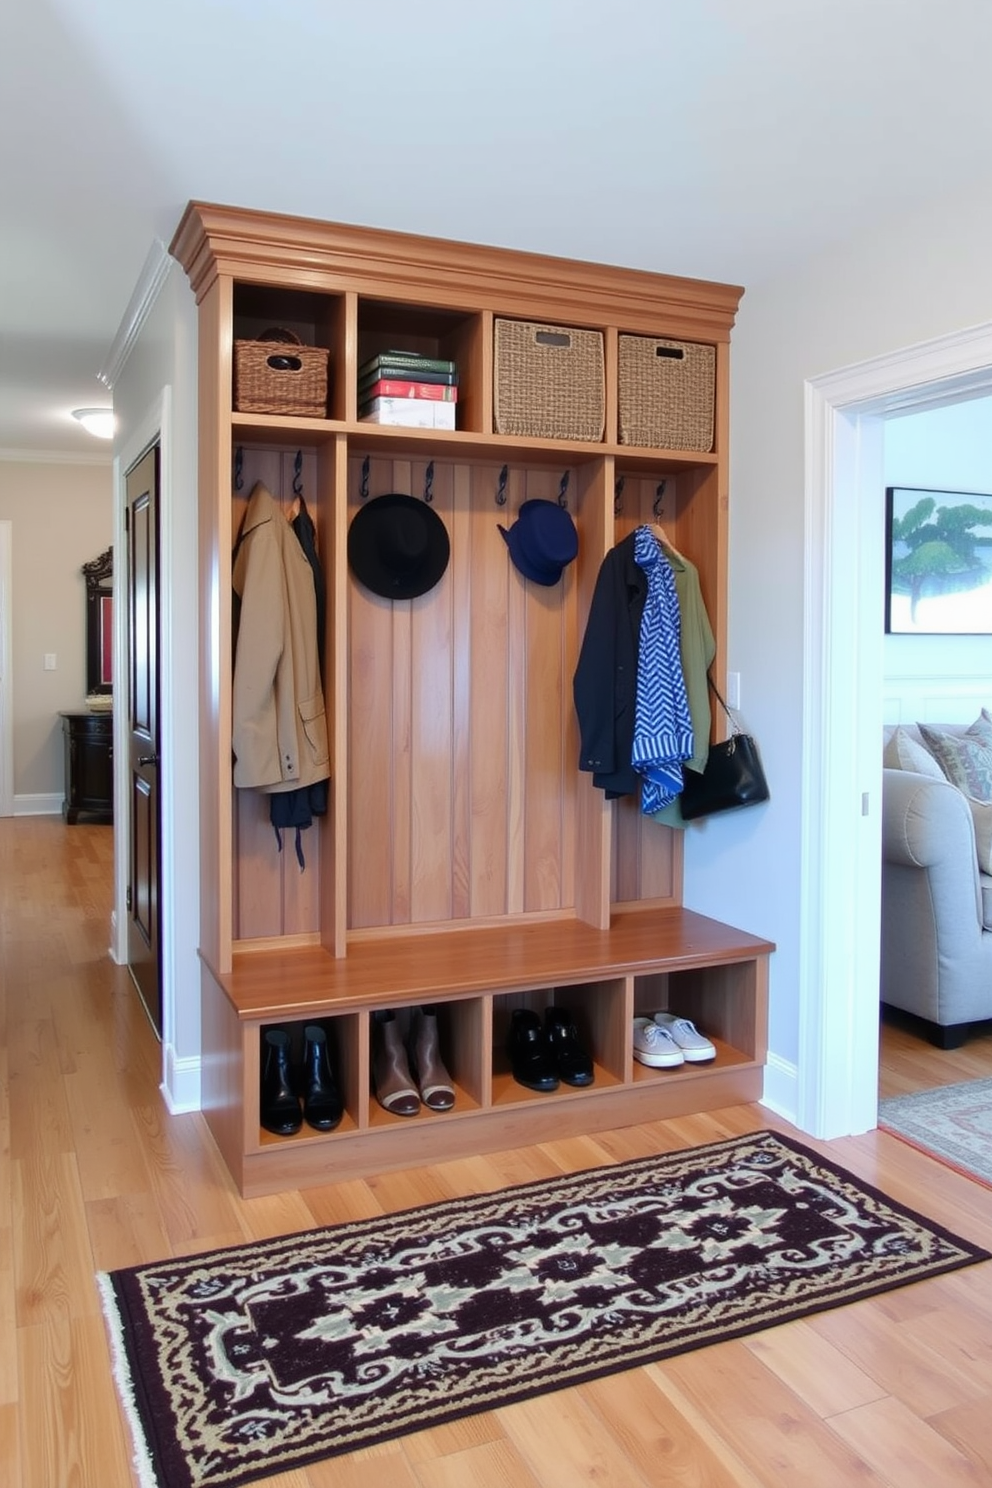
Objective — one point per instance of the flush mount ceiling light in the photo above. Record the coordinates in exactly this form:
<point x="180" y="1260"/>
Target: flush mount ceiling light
<point x="98" y="421"/>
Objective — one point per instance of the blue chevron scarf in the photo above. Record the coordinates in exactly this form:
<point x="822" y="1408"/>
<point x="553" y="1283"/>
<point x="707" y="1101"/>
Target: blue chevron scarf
<point x="662" y="725"/>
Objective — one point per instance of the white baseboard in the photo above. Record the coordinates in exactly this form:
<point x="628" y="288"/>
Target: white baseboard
<point x="781" y="1088"/>
<point x="180" y="1082"/>
<point x="38" y="805"/>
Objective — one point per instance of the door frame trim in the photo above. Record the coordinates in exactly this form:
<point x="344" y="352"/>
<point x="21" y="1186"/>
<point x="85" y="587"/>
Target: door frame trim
<point x="155" y="427"/>
<point x="6" y="669"/>
<point x="841" y="850"/>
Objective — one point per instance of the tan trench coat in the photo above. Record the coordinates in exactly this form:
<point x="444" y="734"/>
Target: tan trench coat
<point x="280" y="731"/>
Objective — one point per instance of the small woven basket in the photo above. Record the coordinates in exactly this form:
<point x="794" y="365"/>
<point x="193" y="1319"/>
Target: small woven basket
<point x="666" y="393"/>
<point x="278" y="374"/>
<point x="549" y="381"/>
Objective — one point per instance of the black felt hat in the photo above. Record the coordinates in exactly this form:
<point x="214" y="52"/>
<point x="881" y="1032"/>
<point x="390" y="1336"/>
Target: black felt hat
<point x="398" y="546"/>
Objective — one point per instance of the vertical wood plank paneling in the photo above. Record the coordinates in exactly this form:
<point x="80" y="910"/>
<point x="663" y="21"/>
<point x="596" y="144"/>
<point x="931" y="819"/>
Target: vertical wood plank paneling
<point x="401" y="761"/>
<point x="487" y="622"/>
<point x="593" y="818"/>
<point x="472" y="784"/>
<point x="432" y="729"/>
<point x="331" y="518"/>
<point x="543" y="683"/>
<point x="461" y="613"/>
<point x="516" y="721"/>
<point x="259" y="868"/>
<point x="369" y="704"/>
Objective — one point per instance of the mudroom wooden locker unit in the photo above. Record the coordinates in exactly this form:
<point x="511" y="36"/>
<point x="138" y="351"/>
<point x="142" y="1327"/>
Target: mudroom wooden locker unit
<point x="464" y="860"/>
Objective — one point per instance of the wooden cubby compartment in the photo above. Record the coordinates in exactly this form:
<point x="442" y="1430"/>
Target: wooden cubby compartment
<point x="464" y="859"/>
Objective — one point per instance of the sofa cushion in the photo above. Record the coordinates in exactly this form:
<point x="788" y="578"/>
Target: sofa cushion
<point x="981" y="812"/>
<point x="903" y="752"/>
<point x="966" y="759"/>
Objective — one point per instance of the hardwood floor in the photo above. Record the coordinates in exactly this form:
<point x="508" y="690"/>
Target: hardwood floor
<point x="908" y="1062"/>
<point x="95" y="1174"/>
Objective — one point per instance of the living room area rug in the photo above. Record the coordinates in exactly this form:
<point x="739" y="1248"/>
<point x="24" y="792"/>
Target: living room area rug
<point x="254" y="1359"/>
<point x="953" y="1122"/>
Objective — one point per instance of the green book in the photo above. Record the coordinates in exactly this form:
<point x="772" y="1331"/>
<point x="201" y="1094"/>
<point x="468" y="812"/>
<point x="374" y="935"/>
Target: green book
<point x="403" y="360"/>
<point x="404" y="372"/>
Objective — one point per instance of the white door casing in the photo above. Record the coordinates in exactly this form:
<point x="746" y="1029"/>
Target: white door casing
<point x="6" y="670"/>
<point x="842" y="712"/>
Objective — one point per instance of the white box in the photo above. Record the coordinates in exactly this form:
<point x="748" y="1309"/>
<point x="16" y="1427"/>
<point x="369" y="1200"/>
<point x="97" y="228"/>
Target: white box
<point x="413" y="413"/>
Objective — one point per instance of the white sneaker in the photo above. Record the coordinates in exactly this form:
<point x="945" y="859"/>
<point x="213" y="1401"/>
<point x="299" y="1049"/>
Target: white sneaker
<point x="686" y="1036"/>
<point x="654" y="1045"/>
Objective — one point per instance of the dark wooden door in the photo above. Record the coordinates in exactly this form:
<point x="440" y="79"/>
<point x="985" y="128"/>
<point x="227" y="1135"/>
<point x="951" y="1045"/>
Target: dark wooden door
<point x="144" y="909"/>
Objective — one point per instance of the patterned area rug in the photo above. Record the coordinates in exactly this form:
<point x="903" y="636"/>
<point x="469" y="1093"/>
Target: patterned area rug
<point x="255" y="1359"/>
<point x="954" y="1122"/>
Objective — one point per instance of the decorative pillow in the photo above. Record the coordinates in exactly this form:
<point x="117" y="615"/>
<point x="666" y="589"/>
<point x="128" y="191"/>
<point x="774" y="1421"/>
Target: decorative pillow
<point x="981" y="812"/>
<point x="966" y="759"/>
<point x="903" y="752"/>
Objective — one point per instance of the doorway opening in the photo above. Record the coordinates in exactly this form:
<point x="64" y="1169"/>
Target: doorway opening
<point x="842" y="713"/>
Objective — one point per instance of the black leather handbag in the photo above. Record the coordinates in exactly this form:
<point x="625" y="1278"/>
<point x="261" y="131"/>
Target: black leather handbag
<point x="733" y="775"/>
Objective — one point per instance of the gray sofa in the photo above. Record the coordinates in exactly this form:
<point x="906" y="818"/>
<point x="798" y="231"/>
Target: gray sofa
<point x="936" y="950"/>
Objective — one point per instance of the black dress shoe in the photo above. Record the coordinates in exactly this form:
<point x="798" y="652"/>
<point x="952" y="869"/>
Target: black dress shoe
<point x="573" y="1064"/>
<point x="530" y="1058"/>
<point x="322" y="1105"/>
<point x="279" y="1105"/>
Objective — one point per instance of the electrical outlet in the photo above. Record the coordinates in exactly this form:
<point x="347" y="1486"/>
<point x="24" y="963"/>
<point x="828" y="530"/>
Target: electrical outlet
<point x="49" y="661"/>
<point x="733" y="689"/>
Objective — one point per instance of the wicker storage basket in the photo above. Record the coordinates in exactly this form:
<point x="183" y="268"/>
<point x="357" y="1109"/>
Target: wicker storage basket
<point x="666" y="393"/>
<point x="278" y="374"/>
<point x="549" y="381"/>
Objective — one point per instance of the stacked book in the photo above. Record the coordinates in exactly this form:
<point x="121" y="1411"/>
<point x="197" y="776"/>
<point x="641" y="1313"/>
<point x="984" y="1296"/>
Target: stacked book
<point x="403" y="387"/>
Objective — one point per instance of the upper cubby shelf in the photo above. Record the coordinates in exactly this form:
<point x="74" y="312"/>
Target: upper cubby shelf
<point x="356" y="293"/>
<point x="459" y="444"/>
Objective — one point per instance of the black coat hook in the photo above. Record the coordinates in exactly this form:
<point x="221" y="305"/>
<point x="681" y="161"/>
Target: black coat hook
<point x="656" y="508"/>
<point x="298" y="474"/>
<point x="429" y="483"/>
<point x="363" y="485"/>
<point x="501" y="488"/>
<point x="562" y="488"/>
<point x="239" y="467"/>
<point x="618" y="496"/>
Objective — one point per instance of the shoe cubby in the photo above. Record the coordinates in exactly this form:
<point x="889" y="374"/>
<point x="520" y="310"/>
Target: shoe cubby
<point x="596" y="1010"/>
<point x="460" y="1031"/>
<point x="343" y="1041"/>
<point x="722" y="1002"/>
<point x="465" y="861"/>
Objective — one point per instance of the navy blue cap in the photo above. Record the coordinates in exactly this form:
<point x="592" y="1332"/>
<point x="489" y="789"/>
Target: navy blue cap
<point x="542" y="541"/>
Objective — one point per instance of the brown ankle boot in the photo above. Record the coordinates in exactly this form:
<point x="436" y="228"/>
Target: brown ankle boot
<point x="436" y="1088"/>
<point x="394" y="1087"/>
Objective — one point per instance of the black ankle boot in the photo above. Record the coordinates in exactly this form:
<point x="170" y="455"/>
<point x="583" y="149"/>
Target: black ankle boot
<point x="279" y="1107"/>
<point x="322" y="1105"/>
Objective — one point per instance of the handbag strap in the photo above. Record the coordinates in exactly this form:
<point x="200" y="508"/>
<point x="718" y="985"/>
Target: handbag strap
<point x="735" y="726"/>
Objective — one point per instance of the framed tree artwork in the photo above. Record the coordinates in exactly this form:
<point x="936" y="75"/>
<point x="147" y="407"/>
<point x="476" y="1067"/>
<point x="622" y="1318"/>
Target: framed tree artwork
<point x="938" y="551"/>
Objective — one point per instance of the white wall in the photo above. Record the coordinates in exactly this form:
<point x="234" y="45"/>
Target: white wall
<point x="901" y="283"/>
<point x="930" y="677"/>
<point x="162" y="358"/>
<point x="62" y="517"/>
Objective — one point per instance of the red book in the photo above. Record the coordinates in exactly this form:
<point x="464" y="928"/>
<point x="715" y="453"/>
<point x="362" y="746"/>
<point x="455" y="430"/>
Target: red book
<point x="388" y="387"/>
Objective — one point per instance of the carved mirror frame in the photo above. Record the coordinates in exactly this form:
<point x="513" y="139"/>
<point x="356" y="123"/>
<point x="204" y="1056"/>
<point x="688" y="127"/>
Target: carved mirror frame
<point x="99" y="576"/>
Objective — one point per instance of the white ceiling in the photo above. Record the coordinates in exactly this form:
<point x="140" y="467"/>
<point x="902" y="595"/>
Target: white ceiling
<point x="723" y="139"/>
